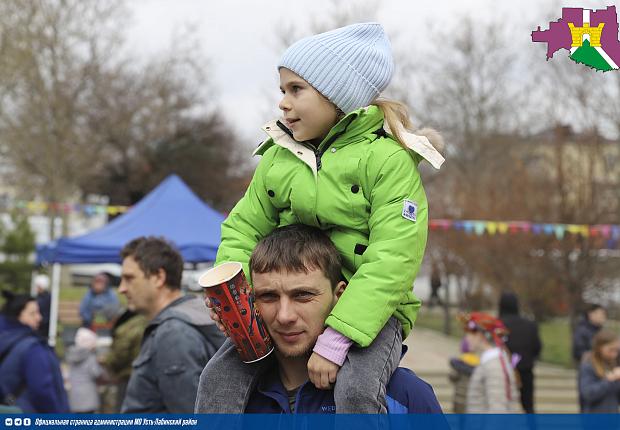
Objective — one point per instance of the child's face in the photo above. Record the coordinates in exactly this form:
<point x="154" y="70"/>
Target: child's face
<point x="306" y="112"/>
<point x="475" y="341"/>
<point x="609" y="351"/>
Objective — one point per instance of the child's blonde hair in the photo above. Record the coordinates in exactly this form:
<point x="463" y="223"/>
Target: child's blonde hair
<point x="396" y="116"/>
<point x="602" y="338"/>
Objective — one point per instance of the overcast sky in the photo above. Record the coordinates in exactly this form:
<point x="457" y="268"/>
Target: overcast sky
<point x="239" y="37"/>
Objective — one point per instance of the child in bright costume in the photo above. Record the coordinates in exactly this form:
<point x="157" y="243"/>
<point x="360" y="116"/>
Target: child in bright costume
<point x="344" y="162"/>
<point x="492" y="386"/>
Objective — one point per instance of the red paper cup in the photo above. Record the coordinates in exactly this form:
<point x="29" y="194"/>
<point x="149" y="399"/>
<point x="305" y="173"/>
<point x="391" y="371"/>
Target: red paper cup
<point x="233" y="301"/>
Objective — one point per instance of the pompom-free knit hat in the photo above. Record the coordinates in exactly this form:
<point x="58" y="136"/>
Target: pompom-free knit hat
<point x="350" y="66"/>
<point x="42" y="281"/>
<point x="85" y="338"/>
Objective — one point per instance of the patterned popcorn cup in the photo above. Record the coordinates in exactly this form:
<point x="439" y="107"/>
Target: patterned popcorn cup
<point x="233" y="301"/>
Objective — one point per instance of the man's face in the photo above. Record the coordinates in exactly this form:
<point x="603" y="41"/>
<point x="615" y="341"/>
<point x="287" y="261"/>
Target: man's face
<point x="99" y="284"/>
<point x="141" y="290"/>
<point x="598" y="316"/>
<point x="294" y="307"/>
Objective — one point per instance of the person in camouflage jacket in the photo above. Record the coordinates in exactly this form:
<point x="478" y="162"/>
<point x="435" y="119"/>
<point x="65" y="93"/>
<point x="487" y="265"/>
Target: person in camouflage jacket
<point x="127" y="337"/>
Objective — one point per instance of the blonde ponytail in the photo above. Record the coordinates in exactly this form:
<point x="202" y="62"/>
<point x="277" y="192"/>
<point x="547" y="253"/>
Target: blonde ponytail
<point x="396" y="116"/>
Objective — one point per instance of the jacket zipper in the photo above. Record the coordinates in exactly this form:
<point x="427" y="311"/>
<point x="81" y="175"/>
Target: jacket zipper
<point x="317" y="154"/>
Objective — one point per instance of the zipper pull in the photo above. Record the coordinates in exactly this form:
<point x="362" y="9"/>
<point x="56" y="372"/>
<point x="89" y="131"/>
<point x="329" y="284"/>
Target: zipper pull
<point x="317" y="154"/>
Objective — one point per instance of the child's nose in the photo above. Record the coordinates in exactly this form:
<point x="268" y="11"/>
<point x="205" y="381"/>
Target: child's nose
<point x="284" y="104"/>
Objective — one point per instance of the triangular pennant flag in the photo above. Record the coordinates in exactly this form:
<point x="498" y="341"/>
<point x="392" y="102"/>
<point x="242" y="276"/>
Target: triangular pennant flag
<point x="559" y="230"/>
<point x="605" y="230"/>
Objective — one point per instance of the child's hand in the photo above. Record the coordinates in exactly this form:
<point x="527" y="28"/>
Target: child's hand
<point x="322" y="372"/>
<point x="214" y="316"/>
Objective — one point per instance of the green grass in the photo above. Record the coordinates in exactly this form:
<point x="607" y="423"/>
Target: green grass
<point x="557" y="344"/>
<point x="76" y="294"/>
<point x="555" y="335"/>
<point x="72" y="293"/>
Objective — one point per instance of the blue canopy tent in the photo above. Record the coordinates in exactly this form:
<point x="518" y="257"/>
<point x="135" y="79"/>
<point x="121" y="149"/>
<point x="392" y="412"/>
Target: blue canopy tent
<point x="171" y="210"/>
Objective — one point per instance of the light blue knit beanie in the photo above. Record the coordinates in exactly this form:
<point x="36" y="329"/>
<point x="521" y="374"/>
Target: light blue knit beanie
<point x="350" y="66"/>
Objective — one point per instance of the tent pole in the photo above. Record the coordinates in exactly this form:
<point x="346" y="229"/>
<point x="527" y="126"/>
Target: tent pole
<point x="55" y="304"/>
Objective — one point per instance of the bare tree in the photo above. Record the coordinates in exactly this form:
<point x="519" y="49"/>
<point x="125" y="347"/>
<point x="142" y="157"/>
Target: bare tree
<point x="79" y="116"/>
<point x="54" y="58"/>
<point x="499" y="168"/>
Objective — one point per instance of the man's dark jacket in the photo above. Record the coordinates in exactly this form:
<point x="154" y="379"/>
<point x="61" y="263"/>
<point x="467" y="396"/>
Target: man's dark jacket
<point x="406" y="394"/>
<point x="582" y="338"/>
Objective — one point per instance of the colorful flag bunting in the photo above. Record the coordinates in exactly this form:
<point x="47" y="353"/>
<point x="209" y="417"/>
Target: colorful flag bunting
<point x="480" y="227"/>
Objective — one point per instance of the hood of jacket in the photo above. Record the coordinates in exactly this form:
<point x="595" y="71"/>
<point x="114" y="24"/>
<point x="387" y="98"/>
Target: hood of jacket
<point x="508" y="304"/>
<point x="12" y="330"/>
<point x="188" y="308"/>
<point x="77" y="355"/>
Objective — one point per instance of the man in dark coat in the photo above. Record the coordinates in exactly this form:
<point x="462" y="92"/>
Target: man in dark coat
<point x="523" y="340"/>
<point x="593" y="320"/>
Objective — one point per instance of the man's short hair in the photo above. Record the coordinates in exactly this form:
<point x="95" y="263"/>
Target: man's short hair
<point x="154" y="253"/>
<point x="591" y="307"/>
<point x="297" y="248"/>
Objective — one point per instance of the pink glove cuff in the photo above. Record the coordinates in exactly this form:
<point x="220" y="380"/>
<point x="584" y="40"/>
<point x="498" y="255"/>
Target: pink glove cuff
<point x="333" y="346"/>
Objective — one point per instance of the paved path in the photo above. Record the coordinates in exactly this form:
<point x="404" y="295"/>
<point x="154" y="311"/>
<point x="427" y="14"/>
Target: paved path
<point x="429" y="350"/>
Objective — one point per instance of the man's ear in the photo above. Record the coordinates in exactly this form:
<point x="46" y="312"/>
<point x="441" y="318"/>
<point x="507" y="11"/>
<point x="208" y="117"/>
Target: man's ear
<point x="340" y="287"/>
<point x="160" y="277"/>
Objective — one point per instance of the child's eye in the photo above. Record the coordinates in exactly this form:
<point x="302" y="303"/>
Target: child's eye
<point x="296" y="88"/>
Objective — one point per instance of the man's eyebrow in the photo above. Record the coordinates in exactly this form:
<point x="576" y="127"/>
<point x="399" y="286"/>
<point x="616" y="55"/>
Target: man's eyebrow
<point x="305" y="288"/>
<point x="263" y="290"/>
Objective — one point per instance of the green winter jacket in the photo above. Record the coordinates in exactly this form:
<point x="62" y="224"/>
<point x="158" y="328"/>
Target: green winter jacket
<point x="361" y="188"/>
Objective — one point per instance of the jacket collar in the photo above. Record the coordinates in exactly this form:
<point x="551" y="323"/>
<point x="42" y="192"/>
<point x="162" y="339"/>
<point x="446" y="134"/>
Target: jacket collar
<point x="490" y="354"/>
<point x="309" y="399"/>
<point x="416" y="143"/>
<point x="280" y="137"/>
<point x="168" y="311"/>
